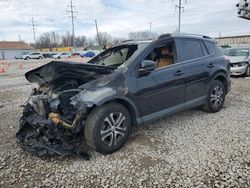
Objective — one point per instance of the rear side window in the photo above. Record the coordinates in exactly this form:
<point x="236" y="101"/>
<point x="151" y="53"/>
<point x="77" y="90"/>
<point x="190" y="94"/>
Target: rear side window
<point x="190" y="49"/>
<point x="210" y="46"/>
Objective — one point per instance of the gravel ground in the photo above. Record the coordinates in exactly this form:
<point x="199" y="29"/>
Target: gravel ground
<point x="189" y="149"/>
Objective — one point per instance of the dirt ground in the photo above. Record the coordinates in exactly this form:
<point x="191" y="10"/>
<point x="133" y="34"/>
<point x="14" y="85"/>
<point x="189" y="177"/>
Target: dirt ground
<point x="189" y="149"/>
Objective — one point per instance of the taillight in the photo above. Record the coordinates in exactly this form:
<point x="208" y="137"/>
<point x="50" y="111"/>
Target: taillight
<point x="226" y="58"/>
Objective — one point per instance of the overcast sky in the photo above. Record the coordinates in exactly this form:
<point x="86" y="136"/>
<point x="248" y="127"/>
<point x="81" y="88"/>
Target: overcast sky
<point x="119" y="17"/>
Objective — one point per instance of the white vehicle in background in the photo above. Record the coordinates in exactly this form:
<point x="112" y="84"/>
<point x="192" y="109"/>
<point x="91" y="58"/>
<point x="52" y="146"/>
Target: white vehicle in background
<point x="239" y="60"/>
<point x="61" y="55"/>
<point x="33" y="55"/>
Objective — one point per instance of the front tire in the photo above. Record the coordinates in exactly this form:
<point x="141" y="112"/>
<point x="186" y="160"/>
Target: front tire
<point x="247" y="73"/>
<point x="215" y="97"/>
<point x="107" y="128"/>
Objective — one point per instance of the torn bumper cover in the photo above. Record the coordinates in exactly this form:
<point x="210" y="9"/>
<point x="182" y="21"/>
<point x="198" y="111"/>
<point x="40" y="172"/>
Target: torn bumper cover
<point x="51" y="136"/>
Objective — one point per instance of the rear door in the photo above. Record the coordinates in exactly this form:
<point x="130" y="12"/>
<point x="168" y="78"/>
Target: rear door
<point x="193" y="56"/>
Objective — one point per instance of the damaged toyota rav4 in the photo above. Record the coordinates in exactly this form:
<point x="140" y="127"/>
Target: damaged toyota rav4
<point x="79" y="106"/>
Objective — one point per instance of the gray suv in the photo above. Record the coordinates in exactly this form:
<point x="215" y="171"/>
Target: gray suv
<point x="134" y="83"/>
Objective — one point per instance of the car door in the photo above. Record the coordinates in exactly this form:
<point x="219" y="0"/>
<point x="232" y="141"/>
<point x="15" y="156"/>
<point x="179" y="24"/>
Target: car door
<point x="193" y="58"/>
<point x="161" y="89"/>
<point x="31" y="56"/>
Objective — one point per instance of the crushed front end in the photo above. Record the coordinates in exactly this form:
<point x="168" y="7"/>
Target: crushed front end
<point x="52" y="123"/>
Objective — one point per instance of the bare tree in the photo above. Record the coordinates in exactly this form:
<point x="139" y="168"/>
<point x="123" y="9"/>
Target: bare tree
<point x="66" y="39"/>
<point x="105" y="38"/>
<point x="55" y="39"/>
<point x="118" y="40"/>
<point x="44" y="41"/>
<point x="80" y="41"/>
<point x="142" y="35"/>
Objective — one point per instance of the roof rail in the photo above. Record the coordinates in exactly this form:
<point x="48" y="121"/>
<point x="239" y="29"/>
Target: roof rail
<point x="129" y="40"/>
<point x="164" y="35"/>
<point x="197" y="35"/>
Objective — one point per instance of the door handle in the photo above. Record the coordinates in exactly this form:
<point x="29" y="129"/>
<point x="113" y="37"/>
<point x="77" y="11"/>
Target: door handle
<point x="210" y="65"/>
<point x="178" y="73"/>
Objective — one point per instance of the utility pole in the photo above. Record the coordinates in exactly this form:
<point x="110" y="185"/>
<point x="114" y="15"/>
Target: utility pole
<point x="150" y="32"/>
<point x="180" y="8"/>
<point x="34" y="30"/>
<point x="72" y="13"/>
<point x="97" y="32"/>
<point x="20" y="40"/>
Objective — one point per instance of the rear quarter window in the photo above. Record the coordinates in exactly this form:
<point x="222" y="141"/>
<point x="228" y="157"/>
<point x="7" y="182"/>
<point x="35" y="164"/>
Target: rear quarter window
<point x="210" y="47"/>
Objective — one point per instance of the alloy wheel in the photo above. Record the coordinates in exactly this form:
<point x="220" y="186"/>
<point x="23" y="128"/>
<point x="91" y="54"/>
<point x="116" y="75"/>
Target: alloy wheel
<point x="114" y="129"/>
<point x="217" y="97"/>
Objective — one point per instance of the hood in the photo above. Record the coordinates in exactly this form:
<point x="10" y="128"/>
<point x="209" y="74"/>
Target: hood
<point x="237" y="59"/>
<point x="59" y="70"/>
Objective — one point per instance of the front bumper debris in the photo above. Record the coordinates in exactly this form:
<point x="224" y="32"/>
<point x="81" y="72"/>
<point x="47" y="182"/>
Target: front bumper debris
<point x="44" y="136"/>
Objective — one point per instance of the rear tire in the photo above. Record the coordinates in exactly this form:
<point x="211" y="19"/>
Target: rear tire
<point x="107" y="128"/>
<point x="215" y="97"/>
<point x="247" y="73"/>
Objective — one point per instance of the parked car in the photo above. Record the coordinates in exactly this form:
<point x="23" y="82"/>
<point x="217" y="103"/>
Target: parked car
<point x="134" y="83"/>
<point x="89" y="54"/>
<point x="48" y="54"/>
<point x="239" y="60"/>
<point x="76" y="54"/>
<point x="62" y="55"/>
<point x="33" y="55"/>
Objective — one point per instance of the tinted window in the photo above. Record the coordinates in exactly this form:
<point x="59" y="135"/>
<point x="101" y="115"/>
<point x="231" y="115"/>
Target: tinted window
<point x="210" y="46"/>
<point x="191" y="49"/>
<point x="205" y="52"/>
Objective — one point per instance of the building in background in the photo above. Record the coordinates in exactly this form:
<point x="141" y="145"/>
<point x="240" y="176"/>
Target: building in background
<point x="13" y="49"/>
<point x="242" y="40"/>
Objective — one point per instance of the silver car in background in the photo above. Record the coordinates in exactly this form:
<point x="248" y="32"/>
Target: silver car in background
<point x="239" y="60"/>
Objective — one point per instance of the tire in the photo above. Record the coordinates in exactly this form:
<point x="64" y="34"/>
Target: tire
<point x="247" y="73"/>
<point x="27" y="58"/>
<point x="40" y="57"/>
<point x="103" y="134"/>
<point x="215" y="97"/>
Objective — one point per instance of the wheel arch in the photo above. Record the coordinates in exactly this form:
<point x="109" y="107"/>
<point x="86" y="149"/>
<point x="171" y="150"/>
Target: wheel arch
<point x="127" y="103"/>
<point x="221" y="76"/>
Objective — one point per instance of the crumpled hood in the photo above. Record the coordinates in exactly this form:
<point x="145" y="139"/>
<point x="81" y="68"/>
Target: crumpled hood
<point x="57" y="70"/>
<point x="237" y="59"/>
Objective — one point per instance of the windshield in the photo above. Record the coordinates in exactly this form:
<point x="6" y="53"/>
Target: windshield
<point x="237" y="52"/>
<point x="116" y="56"/>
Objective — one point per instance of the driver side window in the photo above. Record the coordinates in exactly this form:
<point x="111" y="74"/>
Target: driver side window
<point x="162" y="55"/>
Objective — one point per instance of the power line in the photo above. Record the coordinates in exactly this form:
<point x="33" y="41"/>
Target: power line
<point x="72" y="13"/>
<point x="34" y="30"/>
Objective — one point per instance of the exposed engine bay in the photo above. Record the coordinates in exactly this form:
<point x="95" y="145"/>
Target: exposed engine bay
<point x="53" y="118"/>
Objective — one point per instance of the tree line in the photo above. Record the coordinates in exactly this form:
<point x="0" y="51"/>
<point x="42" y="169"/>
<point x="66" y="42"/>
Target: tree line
<point x="53" y="39"/>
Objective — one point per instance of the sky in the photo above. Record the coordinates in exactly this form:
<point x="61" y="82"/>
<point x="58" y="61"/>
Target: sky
<point x="119" y="17"/>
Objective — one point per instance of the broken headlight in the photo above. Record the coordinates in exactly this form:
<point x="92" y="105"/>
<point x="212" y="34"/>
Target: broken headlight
<point x="40" y="104"/>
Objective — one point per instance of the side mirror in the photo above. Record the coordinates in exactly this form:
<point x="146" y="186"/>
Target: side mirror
<point x="147" y="66"/>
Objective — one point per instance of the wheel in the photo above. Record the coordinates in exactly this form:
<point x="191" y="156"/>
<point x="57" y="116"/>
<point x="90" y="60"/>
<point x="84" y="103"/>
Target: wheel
<point x="215" y="97"/>
<point x="247" y="73"/>
<point x="107" y="128"/>
<point x="40" y="57"/>
<point x="27" y="58"/>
